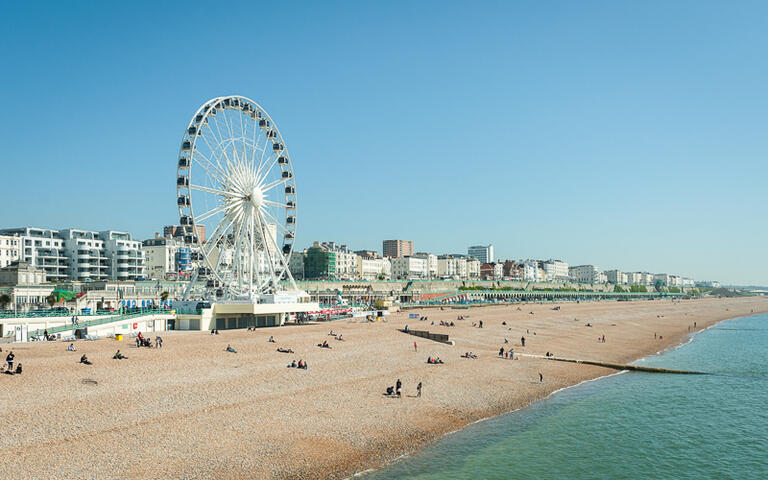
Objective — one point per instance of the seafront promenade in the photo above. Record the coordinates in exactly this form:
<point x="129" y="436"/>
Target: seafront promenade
<point x="193" y="410"/>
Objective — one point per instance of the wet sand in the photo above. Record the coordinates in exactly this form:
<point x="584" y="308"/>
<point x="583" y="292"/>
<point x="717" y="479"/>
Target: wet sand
<point x="192" y="410"/>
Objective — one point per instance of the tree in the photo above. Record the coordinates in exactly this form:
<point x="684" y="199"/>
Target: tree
<point x="5" y="300"/>
<point x="164" y="296"/>
<point x="51" y="299"/>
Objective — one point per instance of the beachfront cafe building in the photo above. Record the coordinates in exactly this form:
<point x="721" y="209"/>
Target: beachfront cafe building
<point x="270" y="310"/>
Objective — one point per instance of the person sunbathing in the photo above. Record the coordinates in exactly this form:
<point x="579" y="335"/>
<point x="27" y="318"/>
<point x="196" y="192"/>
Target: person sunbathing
<point x="284" y="350"/>
<point x="230" y="349"/>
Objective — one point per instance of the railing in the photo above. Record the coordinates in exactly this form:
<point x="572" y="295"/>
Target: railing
<point x="115" y="318"/>
<point x="61" y="313"/>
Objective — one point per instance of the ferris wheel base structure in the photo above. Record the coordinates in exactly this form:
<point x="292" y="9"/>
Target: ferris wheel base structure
<point x="268" y="311"/>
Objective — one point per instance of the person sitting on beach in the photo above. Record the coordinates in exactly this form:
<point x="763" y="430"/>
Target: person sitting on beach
<point x="230" y="349"/>
<point x="340" y="338"/>
<point x="300" y="364"/>
<point x="437" y="360"/>
<point x="118" y="356"/>
<point x="501" y="352"/>
<point x="84" y="360"/>
<point x="292" y="364"/>
<point x="331" y="333"/>
<point x="5" y="367"/>
<point x="271" y="339"/>
<point x="453" y="324"/>
<point x="503" y="323"/>
<point x="390" y="390"/>
<point x="429" y="360"/>
<point x="18" y="370"/>
<point x="71" y="348"/>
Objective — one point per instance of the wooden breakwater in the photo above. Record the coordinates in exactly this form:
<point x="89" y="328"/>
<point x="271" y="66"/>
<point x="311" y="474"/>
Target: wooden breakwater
<point x="618" y="366"/>
<point x="437" y="337"/>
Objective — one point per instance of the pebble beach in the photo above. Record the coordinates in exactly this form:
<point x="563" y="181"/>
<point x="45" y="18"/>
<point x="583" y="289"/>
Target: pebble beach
<point x="192" y="410"/>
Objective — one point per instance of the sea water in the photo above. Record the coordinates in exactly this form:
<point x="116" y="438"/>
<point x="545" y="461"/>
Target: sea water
<point x="629" y="425"/>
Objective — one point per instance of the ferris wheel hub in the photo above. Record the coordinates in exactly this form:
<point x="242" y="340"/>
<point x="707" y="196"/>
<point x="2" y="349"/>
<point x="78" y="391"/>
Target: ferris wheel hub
<point x="257" y="197"/>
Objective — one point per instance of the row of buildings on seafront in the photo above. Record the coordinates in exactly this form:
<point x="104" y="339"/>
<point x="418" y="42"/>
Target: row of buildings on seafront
<point x="400" y="261"/>
<point x="93" y="256"/>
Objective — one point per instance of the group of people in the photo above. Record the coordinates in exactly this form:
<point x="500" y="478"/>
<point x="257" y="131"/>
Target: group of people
<point x="397" y="389"/>
<point x="469" y="355"/>
<point x="509" y="354"/>
<point x="8" y="365"/>
<point x="324" y="344"/>
<point x="302" y="364"/>
<point x="434" y="361"/>
<point x="336" y="336"/>
<point x="214" y="332"/>
<point x="601" y="339"/>
<point x="445" y="324"/>
<point x="141" y="341"/>
<point x="46" y="336"/>
<point x="478" y="324"/>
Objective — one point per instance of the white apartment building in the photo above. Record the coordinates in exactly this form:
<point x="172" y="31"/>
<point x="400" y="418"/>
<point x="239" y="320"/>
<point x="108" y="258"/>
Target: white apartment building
<point x="646" y="278"/>
<point x="634" y="278"/>
<point x="556" y="270"/>
<point x="410" y="267"/>
<point x="687" y="282"/>
<point x="10" y="250"/>
<point x="473" y="268"/>
<point x="585" y="274"/>
<point x="80" y="254"/>
<point x="532" y="272"/>
<point x="346" y="262"/>
<point x="663" y="278"/>
<point x="165" y="257"/>
<point x="431" y="263"/>
<point x="296" y="264"/>
<point x="484" y="253"/>
<point x="370" y="268"/>
<point x="457" y="267"/>
<point x="615" y="277"/>
<point x="446" y="267"/>
<point x="498" y="271"/>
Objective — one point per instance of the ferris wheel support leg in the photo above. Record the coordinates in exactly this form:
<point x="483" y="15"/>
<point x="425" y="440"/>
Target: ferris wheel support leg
<point x="188" y="290"/>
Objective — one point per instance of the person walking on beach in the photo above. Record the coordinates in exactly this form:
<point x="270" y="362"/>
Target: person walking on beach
<point x="522" y="340"/>
<point x="501" y="352"/>
<point x="398" y="387"/>
<point x="603" y="338"/>
<point x="9" y="360"/>
<point x="541" y="378"/>
<point x="415" y="347"/>
<point x="418" y="390"/>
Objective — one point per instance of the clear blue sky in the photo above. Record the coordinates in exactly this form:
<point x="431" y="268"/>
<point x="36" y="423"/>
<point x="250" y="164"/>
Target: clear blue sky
<point x="630" y="135"/>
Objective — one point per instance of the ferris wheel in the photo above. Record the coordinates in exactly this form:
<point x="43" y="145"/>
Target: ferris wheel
<point x="235" y="183"/>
